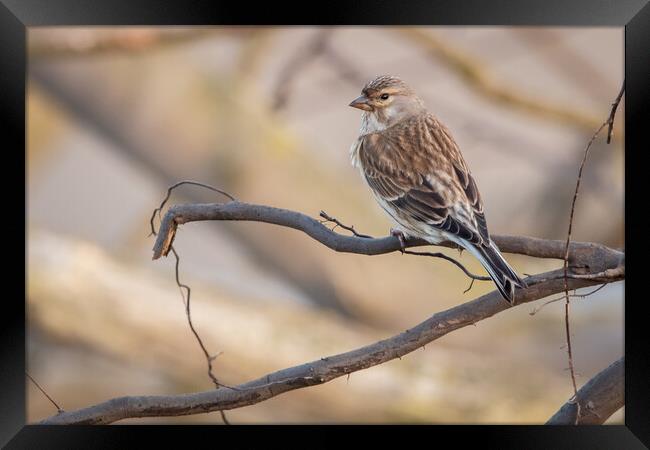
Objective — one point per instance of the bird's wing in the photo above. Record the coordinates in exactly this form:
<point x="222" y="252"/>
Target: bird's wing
<point x="417" y="169"/>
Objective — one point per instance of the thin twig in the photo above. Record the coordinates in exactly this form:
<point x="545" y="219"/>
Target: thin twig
<point x="451" y="260"/>
<point x="469" y="288"/>
<point x="208" y="357"/>
<point x="539" y="308"/>
<point x="612" y="113"/>
<point x="169" y="193"/>
<point x="188" y="291"/>
<point x="186" y="302"/>
<point x="351" y="229"/>
<point x="56" y="405"/>
<point x="608" y="123"/>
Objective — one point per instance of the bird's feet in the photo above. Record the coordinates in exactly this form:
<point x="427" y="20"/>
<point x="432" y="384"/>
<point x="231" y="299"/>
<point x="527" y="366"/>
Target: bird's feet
<point x="401" y="236"/>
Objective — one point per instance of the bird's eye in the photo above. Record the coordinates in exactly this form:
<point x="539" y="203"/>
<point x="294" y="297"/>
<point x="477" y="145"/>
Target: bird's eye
<point x="384" y="96"/>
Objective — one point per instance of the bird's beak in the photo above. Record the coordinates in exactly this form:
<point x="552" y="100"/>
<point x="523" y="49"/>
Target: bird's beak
<point x="361" y="103"/>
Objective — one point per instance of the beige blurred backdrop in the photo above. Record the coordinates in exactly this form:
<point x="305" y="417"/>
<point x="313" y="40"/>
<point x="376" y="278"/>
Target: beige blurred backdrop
<point x="116" y="115"/>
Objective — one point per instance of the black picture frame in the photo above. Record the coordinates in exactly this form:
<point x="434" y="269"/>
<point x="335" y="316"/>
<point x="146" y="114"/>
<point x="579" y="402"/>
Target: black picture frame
<point x="634" y="15"/>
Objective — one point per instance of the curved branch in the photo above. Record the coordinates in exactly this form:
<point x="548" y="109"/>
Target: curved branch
<point x="584" y="257"/>
<point x="351" y="229"/>
<point x="588" y="259"/>
<point x="601" y="397"/>
<point x="321" y="370"/>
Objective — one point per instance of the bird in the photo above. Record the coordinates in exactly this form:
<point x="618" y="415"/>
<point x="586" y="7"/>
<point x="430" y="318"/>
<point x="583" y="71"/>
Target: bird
<point x="419" y="177"/>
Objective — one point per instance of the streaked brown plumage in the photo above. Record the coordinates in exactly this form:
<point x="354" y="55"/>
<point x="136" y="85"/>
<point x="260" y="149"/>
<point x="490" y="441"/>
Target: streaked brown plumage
<point x="419" y="177"/>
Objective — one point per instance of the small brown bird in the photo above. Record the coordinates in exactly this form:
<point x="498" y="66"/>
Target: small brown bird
<point x="419" y="177"/>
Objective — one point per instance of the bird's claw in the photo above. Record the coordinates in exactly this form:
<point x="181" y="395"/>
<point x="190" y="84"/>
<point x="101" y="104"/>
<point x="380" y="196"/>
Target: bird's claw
<point x="401" y="236"/>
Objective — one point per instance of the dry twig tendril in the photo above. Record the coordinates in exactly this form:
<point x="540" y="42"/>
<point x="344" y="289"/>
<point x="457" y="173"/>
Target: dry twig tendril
<point x="351" y="229"/>
<point x="188" y="291"/>
<point x="609" y="123"/>
<point x="56" y="405"/>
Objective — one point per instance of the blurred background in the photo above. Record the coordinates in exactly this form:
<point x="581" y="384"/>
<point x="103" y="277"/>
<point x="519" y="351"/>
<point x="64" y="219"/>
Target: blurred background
<point x="116" y="115"/>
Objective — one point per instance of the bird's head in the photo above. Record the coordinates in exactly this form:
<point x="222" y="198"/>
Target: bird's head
<point x="387" y="100"/>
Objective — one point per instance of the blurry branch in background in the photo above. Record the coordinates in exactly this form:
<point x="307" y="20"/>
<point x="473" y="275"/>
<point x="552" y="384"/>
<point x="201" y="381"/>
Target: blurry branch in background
<point x="557" y="53"/>
<point x="298" y="62"/>
<point x="587" y="258"/>
<point x="81" y="43"/>
<point x="344" y="68"/>
<point x="472" y="73"/>
<point x="609" y="123"/>
<point x="84" y="43"/>
<point x="601" y="397"/>
<point x="253" y="52"/>
<point x="318" y="46"/>
<point x="477" y="77"/>
<point x="109" y="124"/>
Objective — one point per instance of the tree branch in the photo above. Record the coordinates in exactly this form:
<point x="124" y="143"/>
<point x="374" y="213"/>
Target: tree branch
<point x="585" y="258"/>
<point x="601" y="397"/>
<point x="351" y="229"/>
<point x="184" y="287"/>
<point x="588" y="257"/>
<point x="318" y="371"/>
<point x="44" y="392"/>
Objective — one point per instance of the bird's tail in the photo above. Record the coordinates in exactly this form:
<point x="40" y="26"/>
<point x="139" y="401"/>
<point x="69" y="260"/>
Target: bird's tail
<point x="504" y="276"/>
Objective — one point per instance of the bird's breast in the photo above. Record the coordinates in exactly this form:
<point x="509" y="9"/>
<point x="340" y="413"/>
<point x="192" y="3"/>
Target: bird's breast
<point x="354" y="152"/>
